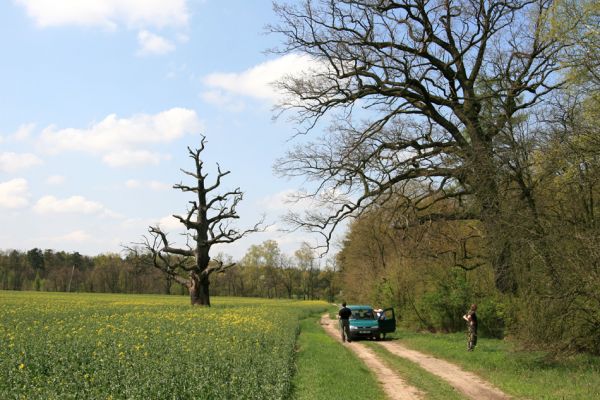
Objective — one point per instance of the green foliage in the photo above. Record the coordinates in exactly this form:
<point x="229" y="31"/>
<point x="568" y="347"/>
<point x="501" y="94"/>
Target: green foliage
<point x="72" y="346"/>
<point x="38" y="282"/>
<point x="492" y="315"/>
<point x="448" y="302"/>
<point x="383" y="294"/>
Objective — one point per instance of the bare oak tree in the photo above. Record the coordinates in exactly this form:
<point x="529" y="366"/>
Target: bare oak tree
<point x="207" y="222"/>
<point x="420" y="93"/>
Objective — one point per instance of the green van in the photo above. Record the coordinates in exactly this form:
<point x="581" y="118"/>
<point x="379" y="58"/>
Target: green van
<point x="364" y="322"/>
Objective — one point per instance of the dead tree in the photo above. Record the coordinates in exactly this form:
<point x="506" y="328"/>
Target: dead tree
<point x="419" y="93"/>
<point x="207" y="222"/>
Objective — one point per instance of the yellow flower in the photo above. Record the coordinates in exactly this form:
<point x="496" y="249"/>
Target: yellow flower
<point x="21" y="366"/>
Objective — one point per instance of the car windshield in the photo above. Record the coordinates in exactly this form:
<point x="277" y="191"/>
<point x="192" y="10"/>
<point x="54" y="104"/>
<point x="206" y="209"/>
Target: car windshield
<point x="363" y="314"/>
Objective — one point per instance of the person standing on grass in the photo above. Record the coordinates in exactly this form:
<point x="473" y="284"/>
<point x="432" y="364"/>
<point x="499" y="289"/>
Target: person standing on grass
<point x="471" y="318"/>
<point x="344" y="316"/>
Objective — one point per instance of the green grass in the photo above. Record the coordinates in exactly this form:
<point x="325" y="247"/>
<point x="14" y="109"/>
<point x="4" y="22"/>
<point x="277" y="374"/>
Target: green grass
<point x="521" y="374"/>
<point x="89" y="346"/>
<point x="434" y="388"/>
<point x="70" y="346"/>
<point x="327" y="370"/>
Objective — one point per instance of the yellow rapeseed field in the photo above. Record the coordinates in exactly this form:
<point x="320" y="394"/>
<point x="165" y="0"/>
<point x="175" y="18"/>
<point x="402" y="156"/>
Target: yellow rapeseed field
<point x="98" y="346"/>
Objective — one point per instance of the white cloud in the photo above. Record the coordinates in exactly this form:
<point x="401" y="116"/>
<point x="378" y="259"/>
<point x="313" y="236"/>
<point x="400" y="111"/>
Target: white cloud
<point x="223" y="99"/>
<point x="11" y="162"/>
<point x="71" y="205"/>
<point x="14" y="193"/>
<point x="107" y="14"/>
<point x="126" y="158"/>
<point x="55" y="180"/>
<point x="287" y="200"/>
<point x="152" y="44"/>
<point x="115" y="139"/>
<point x="133" y="184"/>
<point x="136" y="224"/>
<point x="77" y="236"/>
<point x="257" y="82"/>
<point x="23" y="132"/>
<point x="169" y="224"/>
<point x="154" y="185"/>
<point x="182" y="38"/>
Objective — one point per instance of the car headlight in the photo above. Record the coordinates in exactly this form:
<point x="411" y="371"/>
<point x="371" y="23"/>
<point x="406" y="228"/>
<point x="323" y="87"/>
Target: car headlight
<point x="353" y="327"/>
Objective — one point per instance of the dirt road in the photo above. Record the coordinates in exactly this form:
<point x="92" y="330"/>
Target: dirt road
<point x="465" y="382"/>
<point x="394" y="386"/>
<point x="471" y="385"/>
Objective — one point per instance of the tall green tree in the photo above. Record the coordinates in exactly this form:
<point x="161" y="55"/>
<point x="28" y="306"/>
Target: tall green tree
<point x="266" y="259"/>
<point x="308" y="265"/>
<point x="418" y="91"/>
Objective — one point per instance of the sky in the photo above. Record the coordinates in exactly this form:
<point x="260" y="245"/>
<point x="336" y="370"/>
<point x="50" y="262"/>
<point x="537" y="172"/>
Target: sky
<point x="99" y="100"/>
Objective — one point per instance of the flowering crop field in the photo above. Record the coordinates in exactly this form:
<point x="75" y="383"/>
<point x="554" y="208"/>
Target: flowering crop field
<point x="97" y="346"/>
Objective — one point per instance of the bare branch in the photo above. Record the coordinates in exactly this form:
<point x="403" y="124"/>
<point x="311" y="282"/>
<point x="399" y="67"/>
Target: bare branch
<point x="440" y="80"/>
<point x="192" y="266"/>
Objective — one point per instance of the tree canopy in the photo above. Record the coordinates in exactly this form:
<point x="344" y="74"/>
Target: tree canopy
<point x="419" y="92"/>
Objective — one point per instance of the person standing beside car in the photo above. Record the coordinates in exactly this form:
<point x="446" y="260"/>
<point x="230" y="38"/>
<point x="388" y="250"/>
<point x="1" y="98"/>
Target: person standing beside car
<point x="344" y="316"/>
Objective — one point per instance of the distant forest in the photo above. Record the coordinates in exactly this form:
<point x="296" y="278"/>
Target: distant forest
<point x="263" y="272"/>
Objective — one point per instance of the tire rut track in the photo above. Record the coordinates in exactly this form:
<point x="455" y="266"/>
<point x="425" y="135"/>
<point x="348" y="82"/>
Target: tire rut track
<point x="467" y="383"/>
<point x="393" y="385"/>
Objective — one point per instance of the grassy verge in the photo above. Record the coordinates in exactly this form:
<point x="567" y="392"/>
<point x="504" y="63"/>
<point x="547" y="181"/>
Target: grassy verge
<point x="435" y="388"/>
<point x="326" y="370"/>
<point x="522" y="374"/>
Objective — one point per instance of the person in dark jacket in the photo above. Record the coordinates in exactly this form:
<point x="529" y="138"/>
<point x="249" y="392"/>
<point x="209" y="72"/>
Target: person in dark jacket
<point x="471" y="318"/>
<point x="344" y="316"/>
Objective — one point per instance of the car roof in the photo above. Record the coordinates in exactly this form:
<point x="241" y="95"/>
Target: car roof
<point x="359" y="307"/>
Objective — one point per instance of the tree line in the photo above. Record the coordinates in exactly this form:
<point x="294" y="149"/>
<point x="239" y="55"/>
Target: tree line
<point x="264" y="271"/>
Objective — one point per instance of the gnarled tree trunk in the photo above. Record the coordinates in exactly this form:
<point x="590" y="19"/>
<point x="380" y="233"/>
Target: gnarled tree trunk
<point x="199" y="295"/>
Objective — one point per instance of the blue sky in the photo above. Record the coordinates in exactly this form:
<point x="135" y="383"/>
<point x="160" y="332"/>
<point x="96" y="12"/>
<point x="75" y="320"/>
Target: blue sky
<point x="99" y="100"/>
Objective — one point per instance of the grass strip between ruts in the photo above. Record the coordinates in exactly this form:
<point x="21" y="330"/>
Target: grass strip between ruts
<point x="327" y="370"/>
<point x="435" y="388"/>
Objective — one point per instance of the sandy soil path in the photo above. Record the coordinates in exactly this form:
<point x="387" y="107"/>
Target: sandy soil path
<point x="469" y="384"/>
<point x="465" y="382"/>
<point x="394" y="386"/>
